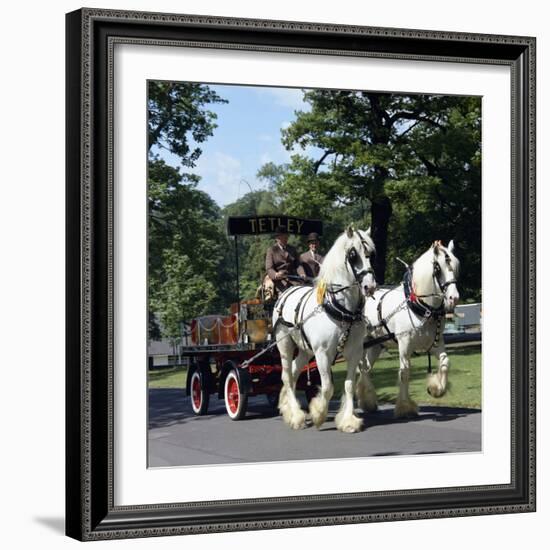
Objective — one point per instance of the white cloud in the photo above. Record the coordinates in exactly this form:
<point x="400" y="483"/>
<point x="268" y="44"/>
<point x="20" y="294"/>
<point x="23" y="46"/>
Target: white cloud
<point x="265" y="158"/>
<point x="221" y="176"/>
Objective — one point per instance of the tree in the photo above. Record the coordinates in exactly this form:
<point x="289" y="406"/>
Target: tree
<point x="183" y="289"/>
<point x="251" y="249"/>
<point x="383" y="157"/>
<point x="441" y="195"/>
<point x="176" y="113"/>
<point x="185" y="239"/>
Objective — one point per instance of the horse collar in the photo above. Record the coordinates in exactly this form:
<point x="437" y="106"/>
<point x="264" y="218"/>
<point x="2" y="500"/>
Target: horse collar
<point x="339" y="312"/>
<point x="415" y="303"/>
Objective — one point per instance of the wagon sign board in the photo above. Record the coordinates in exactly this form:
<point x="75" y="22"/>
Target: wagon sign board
<point x="265" y="225"/>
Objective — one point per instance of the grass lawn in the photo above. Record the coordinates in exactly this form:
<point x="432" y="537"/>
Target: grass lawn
<point x="464" y="389"/>
<point x="171" y="377"/>
<point x="464" y="376"/>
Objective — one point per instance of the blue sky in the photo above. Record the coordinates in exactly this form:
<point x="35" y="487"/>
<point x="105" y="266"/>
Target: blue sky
<point x="248" y="136"/>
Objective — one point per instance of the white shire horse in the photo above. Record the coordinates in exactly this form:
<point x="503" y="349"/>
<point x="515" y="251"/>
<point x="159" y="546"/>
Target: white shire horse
<point x="414" y="312"/>
<point x="323" y="321"/>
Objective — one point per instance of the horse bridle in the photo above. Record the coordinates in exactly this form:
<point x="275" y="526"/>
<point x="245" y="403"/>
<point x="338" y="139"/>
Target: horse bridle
<point x="437" y="274"/>
<point x="337" y="310"/>
<point x="351" y="256"/>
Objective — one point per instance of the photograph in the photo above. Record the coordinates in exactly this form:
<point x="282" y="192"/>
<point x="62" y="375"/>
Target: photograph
<point x="314" y="283"/>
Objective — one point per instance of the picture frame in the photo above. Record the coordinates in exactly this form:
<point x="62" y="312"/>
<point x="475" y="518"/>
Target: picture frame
<point x="91" y="511"/>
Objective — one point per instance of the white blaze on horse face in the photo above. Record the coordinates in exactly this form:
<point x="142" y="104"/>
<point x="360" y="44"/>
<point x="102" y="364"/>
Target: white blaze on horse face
<point x="369" y="284"/>
<point x="451" y="297"/>
<point x="448" y="274"/>
<point x="366" y="246"/>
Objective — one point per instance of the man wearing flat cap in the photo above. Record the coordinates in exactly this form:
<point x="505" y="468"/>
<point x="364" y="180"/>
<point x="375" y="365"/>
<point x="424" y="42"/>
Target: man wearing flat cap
<point x="281" y="261"/>
<point x="310" y="261"/>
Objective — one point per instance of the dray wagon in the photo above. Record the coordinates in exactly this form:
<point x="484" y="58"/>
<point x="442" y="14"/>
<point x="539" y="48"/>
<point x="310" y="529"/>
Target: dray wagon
<point x="233" y="356"/>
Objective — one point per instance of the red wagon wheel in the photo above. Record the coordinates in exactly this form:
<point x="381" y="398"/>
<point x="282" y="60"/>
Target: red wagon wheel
<point x="235" y="399"/>
<point x="199" y="394"/>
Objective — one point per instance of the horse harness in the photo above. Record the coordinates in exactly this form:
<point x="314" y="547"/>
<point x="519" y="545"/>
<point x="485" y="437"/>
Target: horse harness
<point x="337" y="311"/>
<point x="351" y="257"/>
<point x="415" y="303"/>
<point x="330" y="305"/>
<point x="297" y="311"/>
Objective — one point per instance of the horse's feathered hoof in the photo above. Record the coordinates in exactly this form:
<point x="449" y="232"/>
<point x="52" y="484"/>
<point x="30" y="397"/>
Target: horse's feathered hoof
<point x="295" y="419"/>
<point x="435" y="388"/>
<point x="298" y="423"/>
<point x="350" y="425"/>
<point x="436" y="392"/>
<point x="318" y="410"/>
<point x="368" y="407"/>
<point x="405" y="409"/>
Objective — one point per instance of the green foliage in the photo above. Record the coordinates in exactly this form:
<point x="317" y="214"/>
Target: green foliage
<point x="439" y="197"/>
<point x="186" y="240"/>
<point x="183" y="291"/>
<point x="410" y="166"/>
<point x="176" y="113"/>
<point x="252" y="249"/>
<point x="465" y="382"/>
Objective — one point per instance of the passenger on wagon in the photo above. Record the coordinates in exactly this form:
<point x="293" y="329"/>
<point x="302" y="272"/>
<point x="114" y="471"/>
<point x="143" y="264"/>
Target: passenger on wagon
<point x="281" y="261"/>
<point x="310" y="261"/>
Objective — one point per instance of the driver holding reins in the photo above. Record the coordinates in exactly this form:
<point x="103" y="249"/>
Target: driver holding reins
<point x="281" y="261"/>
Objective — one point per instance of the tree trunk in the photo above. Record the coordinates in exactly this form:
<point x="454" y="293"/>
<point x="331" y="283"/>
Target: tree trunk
<point x="381" y="211"/>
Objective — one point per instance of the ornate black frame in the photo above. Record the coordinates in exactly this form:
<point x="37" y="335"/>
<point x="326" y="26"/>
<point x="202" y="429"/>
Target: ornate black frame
<point x="90" y="510"/>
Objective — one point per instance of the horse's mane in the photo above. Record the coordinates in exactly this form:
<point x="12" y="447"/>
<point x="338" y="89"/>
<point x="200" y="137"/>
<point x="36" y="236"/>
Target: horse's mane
<point x="334" y="266"/>
<point x="423" y="269"/>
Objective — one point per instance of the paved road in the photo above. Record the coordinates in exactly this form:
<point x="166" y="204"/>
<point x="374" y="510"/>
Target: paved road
<point x="177" y="437"/>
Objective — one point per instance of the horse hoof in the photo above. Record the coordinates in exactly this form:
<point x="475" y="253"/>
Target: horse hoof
<point x="318" y="411"/>
<point x="370" y="408"/>
<point x="436" y="391"/>
<point x="407" y="409"/>
<point x="349" y="426"/>
<point x="434" y="387"/>
<point x="297" y="421"/>
<point x="318" y="421"/>
<point x="298" y="425"/>
<point x="350" y="430"/>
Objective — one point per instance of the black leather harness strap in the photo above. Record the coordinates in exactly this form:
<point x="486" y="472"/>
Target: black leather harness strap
<point x="382" y="322"/>
<point x="298" y="315"/>
<point x="280" y="304"/>
<point x="284" y="297"/>
<point x="415" y="303"/>
<point x="340" y="313"/>
<point x="298" y="311"/>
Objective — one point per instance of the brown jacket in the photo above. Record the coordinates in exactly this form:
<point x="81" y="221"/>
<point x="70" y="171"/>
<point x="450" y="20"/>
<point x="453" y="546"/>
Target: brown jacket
<point x="310" y="265"/>
<point x="282" y="261"/>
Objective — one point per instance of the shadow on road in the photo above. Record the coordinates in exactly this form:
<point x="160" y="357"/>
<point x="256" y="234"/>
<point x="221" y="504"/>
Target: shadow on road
<point x="168" y="407"/>
<point x="425" y="412"/>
